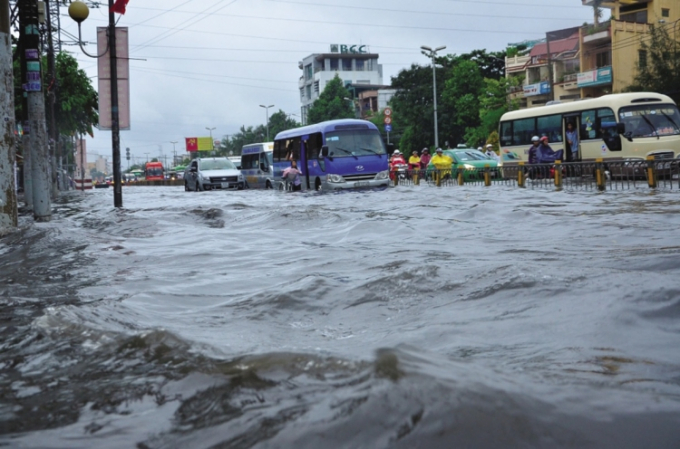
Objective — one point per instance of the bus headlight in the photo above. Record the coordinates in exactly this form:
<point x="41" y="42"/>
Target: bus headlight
<point x="469" y="167"/>
<point x="383" y="175"/>
<point x="335" y="178"/>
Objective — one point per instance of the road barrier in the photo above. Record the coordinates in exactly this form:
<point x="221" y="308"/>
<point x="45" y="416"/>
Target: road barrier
<point x="598" y="175"/>
<point x="83" y="184"/>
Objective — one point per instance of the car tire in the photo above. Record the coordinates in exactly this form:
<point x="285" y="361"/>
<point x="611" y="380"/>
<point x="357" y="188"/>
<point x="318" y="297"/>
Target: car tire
<point x="317" y="185"/>
<point x="198" y="187"/>
<point x="268" y="185"/>
<point x="186" y="186"/>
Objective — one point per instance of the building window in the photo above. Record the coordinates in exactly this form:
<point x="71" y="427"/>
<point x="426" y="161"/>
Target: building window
<point x="360" y="65"/>
<point x="302" y="94"/>
<point x="642" y="54"/>
<point x="308" y="72"/>
<point x="637" y="17"/>
<point x="316" y="88"/>
<point x="308" y="90"/>
<point x="347" y="64"/>
<point x="334" y="65"/>
<point x="665" y="12"/>
<point x="603" y="59"/>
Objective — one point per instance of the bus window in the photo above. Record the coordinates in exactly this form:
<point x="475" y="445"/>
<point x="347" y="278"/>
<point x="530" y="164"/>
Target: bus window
<point x="523" y="131"/>
<point x="591" y="122"/>
<point x="313" y="145"/>
<point x="551" y="126"/>
<point x="506" y="133"/>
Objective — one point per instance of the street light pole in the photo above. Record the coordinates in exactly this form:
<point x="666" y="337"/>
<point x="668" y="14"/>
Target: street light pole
<point x="79" y="12"/>
<point x="431" y="54"/>
<point x="267" y="123"/>
<point x="174" y="153"/>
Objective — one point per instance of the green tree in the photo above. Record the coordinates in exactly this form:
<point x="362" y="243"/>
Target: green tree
<point x="461" y="94"/>
<point x="331" y="104"/>
<point x="76" y="102"/>
<point x="660" y="70"/>
<point x="279" y="121"/>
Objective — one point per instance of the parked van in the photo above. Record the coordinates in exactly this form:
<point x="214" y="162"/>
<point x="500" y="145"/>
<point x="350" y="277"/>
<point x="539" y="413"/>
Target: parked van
<point x="257" y="165"/>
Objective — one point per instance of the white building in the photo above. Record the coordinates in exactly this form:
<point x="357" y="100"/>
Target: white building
<point x="358" y="69"/>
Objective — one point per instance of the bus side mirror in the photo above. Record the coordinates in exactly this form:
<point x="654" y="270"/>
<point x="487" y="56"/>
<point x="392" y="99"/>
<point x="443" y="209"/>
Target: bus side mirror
<point x="263" y="167"/>
<point x="620" y="128"/>
<point x="324" y="151"/>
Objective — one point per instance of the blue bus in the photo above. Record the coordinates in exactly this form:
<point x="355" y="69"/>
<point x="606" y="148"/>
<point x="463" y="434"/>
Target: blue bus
<point x="334" y="155"/>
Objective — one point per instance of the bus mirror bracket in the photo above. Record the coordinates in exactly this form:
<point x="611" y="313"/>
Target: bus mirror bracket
<point x="324" y="151"/>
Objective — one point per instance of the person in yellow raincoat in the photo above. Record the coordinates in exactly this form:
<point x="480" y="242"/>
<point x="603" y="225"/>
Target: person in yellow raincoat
<point x="442" y="163"/>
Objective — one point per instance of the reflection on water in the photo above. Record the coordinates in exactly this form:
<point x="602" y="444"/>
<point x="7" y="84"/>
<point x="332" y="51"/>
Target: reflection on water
<point x="411" y="317"/>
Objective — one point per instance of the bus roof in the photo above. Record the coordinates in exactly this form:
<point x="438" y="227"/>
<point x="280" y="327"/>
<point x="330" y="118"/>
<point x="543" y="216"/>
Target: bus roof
<point x="324" y="127"/>
<point x="614" y="101"/>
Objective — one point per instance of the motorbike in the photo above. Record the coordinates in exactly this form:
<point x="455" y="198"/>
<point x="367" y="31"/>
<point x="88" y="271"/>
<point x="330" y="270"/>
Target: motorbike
<point x="399" y="170"/>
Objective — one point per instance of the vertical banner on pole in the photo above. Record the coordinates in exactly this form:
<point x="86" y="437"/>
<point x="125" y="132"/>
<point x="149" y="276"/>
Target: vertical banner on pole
<point x="104" y="76"/>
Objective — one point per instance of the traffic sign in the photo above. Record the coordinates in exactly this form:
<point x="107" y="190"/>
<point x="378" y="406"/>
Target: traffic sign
<point x="388" y="128"/>
<point x="387" y="120"/>
<point x="387" y="111"/>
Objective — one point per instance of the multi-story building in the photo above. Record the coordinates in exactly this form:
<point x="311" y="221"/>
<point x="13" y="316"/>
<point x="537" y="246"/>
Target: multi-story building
<point x="548" y="71"/>
<point x="610" y="52"/>
<point x="358" y="69"/>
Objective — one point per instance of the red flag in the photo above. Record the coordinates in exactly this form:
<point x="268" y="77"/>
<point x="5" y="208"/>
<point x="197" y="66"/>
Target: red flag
<point x="192" y="144"/>
<point x="119" y="6"/>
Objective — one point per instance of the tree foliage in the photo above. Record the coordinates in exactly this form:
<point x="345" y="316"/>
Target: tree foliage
<point x="331" y="104"/>
<point x="661" y="70"/>
<point x="231" y="145"/>
<point x="462" y="87"/>
<point x="77" y="103"/>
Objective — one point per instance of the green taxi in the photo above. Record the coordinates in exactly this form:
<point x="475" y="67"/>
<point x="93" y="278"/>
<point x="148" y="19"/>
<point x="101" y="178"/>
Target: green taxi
<point x="473" y="162"/>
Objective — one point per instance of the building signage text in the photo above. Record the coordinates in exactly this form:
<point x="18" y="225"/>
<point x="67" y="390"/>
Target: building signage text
<point x="542" y="88"/>
<point x="342" y="48"/>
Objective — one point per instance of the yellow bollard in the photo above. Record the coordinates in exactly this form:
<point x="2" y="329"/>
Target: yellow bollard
<point x="438" y="177"/>
<point x="520" y="175"/>
<point x="599" y="175"/>
<point x="487" y="176"/>
<point x="558" y="175"/>
<point x="651" y="173"/>
<point x="460" y="178"/>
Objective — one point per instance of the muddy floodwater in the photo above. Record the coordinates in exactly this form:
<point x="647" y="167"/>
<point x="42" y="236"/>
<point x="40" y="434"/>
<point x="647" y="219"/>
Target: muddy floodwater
<point x="412" y="317"/>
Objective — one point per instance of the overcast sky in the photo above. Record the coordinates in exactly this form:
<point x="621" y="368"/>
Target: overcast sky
<point x="211" y="63"/>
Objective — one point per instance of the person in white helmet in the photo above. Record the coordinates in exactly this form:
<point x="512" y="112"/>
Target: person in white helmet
<point x="490" y="152"/>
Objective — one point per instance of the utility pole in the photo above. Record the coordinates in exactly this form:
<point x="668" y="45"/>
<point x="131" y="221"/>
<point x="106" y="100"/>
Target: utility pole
<point x="8" y="197"/>
<point x="40" y="169"/>
<point x="25" y="128"/>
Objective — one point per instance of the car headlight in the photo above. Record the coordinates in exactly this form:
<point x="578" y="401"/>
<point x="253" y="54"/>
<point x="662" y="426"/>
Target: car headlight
<point x="383" y="175"/>
<point x="335" y="178"/>
<point x="240" y="177"/>
<point x="469" y="167"/>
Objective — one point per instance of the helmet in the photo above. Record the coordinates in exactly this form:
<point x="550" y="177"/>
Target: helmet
<point x="426" y="150"/>
<point x="439" y="150"/>
<point x="535" y="139"/>
<point x="544" y="138"/>
<point x="489" y="145"/>
<point x="396" y="152"/>
<point x="414" y="152"/>
<point x="479" y="148"/>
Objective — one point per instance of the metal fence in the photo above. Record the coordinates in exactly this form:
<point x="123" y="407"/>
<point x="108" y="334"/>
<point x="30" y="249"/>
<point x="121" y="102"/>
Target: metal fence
<point x="587" y="176"/>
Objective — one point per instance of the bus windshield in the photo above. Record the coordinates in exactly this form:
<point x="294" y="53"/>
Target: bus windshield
<point x="353" y="143"/>
<point x="651" y="120"/>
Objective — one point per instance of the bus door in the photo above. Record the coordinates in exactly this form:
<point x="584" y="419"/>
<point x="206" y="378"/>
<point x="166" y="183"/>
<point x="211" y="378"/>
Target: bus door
<point x="569" y="154"/>
<point x="304" y="160"/>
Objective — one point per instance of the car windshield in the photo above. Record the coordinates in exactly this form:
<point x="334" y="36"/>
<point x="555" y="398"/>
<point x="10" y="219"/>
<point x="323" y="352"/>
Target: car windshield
<point x="353" y="143"/>
<point x="217" y="164"/>
<point x="651" y="120"/>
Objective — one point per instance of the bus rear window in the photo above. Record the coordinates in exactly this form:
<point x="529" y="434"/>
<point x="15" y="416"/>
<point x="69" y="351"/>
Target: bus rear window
<point x="651" y="120"/>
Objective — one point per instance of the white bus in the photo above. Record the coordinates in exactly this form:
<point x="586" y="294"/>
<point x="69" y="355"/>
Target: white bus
<point x="628" y="126"/>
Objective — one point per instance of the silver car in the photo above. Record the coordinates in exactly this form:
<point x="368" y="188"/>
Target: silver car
<point x="210" y="173"/>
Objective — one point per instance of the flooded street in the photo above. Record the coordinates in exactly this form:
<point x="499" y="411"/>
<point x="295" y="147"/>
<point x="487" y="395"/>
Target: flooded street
<point x="404" y="318"/>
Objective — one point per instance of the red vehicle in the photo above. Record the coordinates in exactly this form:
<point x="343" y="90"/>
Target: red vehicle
<point x="154" y="171"/>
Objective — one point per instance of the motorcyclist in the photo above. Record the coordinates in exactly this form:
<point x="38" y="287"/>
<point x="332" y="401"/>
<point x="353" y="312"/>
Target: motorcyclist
<point x="414" y="161"/>
<point x="395" y="163"/>
<point x="442" y="163"/>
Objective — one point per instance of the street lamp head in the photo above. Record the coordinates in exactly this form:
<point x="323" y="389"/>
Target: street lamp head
<point x="78" y="11"/>
<point x="426" y="48"/>
<point x="439" y="48"/>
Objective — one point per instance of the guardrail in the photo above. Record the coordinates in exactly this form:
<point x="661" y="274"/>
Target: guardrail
<point x="599" y="175"/>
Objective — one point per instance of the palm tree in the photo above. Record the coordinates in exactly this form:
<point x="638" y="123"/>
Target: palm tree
<point x="597" y="12"/>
